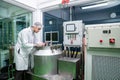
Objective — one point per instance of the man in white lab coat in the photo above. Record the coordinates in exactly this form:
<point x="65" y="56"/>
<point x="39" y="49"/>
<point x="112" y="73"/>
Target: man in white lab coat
<point x="25" y="43"/>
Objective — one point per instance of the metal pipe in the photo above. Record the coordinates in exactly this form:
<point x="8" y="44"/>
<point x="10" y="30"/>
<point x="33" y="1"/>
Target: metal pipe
<point x="71" y="13"/>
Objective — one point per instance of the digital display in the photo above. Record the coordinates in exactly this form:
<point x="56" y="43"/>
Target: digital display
<point x="70" y="27"/>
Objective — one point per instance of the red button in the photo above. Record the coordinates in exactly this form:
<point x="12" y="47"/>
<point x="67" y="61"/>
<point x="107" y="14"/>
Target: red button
<point x="101" y="41"/>
<point x="111" y="40"/>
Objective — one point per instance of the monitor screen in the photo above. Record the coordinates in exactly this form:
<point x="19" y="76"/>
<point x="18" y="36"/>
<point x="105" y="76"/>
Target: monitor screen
<point x="70" y="27"/>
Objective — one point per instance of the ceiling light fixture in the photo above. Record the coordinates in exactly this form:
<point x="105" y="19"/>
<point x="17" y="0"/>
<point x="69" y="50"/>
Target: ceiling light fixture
<point x="95" y="6"/>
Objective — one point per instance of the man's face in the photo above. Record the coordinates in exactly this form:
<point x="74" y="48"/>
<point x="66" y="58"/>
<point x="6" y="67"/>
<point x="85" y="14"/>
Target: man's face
<point x="37" y="29"/>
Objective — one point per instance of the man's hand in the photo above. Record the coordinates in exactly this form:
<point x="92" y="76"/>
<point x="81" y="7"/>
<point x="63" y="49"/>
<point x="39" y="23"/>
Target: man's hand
<point x="41" y="44"/>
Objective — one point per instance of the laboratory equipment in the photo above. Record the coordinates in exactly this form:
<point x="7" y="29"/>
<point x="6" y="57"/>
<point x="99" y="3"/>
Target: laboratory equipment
<point x="73" y="33"/>
<point x="72" y="61"/>
<point x="102" y="55"/>
<point x="45" y="62"/>
<point x="69" y="66"/>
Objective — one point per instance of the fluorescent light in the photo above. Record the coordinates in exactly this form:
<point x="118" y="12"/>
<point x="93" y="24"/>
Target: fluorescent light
<point x="95" y="6"/>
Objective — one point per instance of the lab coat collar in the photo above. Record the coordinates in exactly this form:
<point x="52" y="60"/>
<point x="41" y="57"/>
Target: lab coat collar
<point x="30" y="30"/>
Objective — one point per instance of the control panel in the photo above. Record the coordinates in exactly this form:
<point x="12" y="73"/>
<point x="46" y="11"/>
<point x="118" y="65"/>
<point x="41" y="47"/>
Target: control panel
<point x="73" y="33"/>
<point x="103" y="35"/>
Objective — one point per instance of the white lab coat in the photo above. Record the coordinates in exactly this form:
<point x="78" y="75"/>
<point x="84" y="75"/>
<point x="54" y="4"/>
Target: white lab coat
<point x="23" y="47"/>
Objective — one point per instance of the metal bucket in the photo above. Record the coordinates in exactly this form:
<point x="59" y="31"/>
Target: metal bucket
<point x="45" y="61"/>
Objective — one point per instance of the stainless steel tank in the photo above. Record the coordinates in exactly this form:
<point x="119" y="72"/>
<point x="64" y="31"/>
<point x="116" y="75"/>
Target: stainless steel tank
<point x="45" y="61"/>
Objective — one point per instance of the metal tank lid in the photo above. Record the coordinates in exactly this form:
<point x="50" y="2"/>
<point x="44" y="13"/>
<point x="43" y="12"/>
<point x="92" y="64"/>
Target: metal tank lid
<point x="46" y="51"/>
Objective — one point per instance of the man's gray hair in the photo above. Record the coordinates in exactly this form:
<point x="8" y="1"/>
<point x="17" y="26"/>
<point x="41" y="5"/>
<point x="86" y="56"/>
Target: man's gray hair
<point x="38" y="24"/>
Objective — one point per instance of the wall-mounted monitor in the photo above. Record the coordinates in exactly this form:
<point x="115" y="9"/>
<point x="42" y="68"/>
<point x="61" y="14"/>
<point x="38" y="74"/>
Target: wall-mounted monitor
<point x="70" y="27"/>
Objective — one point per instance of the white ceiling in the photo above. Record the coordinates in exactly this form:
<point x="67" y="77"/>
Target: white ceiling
<point x="45" y="6"/>
<point x="7" y="9"/>
<point x="109" y="3"/>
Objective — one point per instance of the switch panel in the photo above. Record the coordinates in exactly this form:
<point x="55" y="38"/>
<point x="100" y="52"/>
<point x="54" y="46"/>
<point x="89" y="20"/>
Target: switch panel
<point x="73" y="33"/>
<point x="103" y="35"/>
